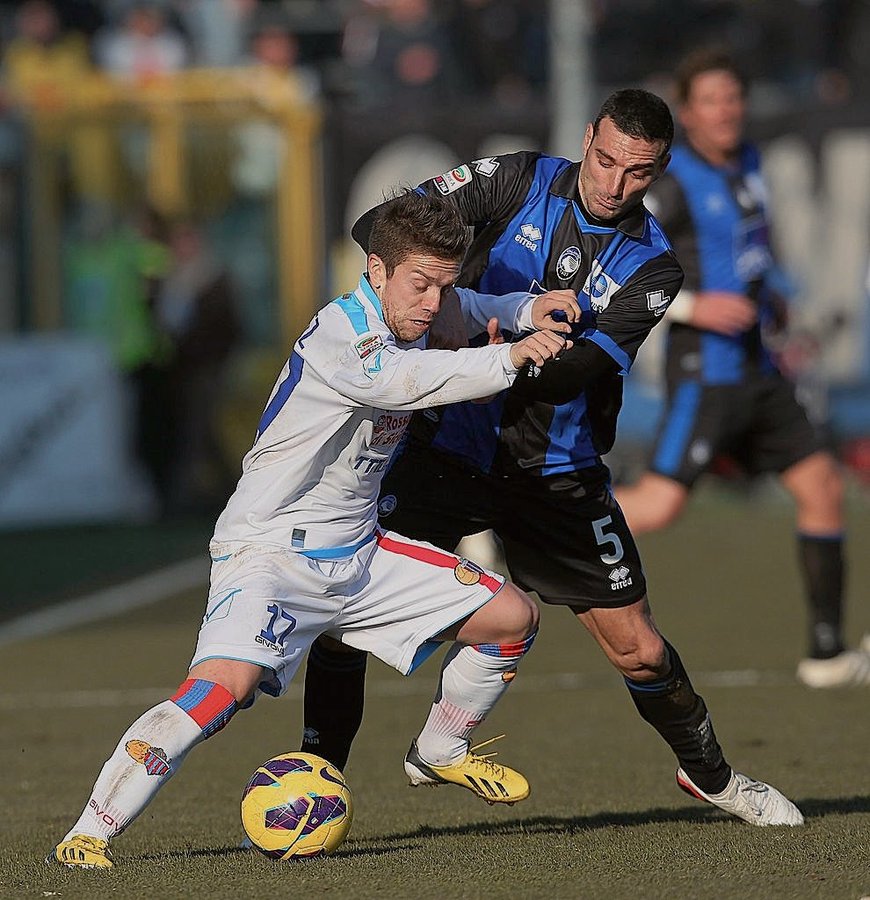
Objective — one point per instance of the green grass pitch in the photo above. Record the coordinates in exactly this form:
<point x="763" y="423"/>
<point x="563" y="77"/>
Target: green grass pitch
<point x="605" y="819"/>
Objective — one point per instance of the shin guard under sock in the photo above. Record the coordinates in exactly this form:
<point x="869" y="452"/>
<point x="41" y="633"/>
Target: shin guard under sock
<point x="473" y="679"/>
<point x="149" y="754"/>
<point x="823" y="568"/>
<point x="334" y="699"/>
<point x="680" y="716"/>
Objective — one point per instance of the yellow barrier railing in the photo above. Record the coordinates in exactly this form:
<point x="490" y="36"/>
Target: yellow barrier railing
<point x="165" y="107"/>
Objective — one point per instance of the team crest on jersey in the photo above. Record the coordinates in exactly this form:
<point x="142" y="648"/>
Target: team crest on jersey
<point x="366" y="346"/>
<point x="486" y="166"/>
<point x="568" y="263"/>
<point x="658" y="302"/>
<point x="387" y="504"/>
<point x="600" y="287"/>
<point x="154" y="759"/>
<point x="453" y="180"/>
<point x="467" y="572"/>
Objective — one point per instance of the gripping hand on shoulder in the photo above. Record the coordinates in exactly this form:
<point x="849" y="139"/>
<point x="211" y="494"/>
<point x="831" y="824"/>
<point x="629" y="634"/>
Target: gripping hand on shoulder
<point x="562" y="301"/>
<point x="537" y="348"/>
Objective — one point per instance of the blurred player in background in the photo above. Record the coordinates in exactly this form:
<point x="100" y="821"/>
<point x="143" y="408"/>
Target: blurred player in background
<point x="725" y="392"/>
<point x="528" y="463"/>
<point x="297" y="551"/>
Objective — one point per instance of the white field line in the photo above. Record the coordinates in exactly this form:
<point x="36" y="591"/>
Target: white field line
<point x="193" y="573"/>
<point x="410" y="687"/>
<point x="112" y="601"/>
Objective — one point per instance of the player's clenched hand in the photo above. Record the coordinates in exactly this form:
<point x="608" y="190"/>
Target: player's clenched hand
<point x="723" y="312"/>
<point x="537" y="348"/>
<point x="546" y="304"/>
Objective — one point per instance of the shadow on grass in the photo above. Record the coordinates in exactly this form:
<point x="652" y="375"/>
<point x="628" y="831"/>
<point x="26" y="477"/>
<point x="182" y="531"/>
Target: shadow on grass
<point x="382" y="845"/>
<point x="811" y="807"/>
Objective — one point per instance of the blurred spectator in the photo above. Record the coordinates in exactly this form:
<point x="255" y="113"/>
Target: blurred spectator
<point x="502" y="45"/>
<point x="42" y="63"/>
<point x="114" y="268"/>
<point x="273" y="71"/>
<point x="142" y="45"/>
<point x="196" y="308"/>
<point x="400" y="53"/>
<point x="218" y="29"/>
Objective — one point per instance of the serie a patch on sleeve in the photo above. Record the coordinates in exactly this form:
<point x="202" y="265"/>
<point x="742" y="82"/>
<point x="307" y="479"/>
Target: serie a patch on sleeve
<point x="368" y="344"/>
<point x="453" y="180"/>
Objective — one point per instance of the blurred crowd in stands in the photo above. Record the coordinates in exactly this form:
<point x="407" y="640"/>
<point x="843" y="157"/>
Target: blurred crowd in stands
<point x="370" y="52"/>
<point x="174" y="295"/>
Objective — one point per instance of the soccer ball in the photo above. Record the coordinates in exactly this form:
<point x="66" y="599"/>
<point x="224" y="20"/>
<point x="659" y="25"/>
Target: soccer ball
<point x="296" y="805"/>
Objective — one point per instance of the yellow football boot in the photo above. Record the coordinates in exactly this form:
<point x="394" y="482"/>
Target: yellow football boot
<point x="488" y="780"/>
<point x="82" y="851"/>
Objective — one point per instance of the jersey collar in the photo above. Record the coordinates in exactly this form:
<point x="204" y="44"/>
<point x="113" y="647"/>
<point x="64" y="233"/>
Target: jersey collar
<point x="366" y="290"/>
<point x="565" y="185"/>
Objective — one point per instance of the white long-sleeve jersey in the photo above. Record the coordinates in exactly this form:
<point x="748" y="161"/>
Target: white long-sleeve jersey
<point x="334" y="419"/>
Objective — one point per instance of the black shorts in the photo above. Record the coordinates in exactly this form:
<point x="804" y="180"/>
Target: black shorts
<point x="565" y="538"/>
<point x="758" y="423"/>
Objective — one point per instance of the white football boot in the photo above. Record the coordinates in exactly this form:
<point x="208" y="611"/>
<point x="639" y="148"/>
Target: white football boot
<point x="851" y="668"/>
<point x="753" y="801"/>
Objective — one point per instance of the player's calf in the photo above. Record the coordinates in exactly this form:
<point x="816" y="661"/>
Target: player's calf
<point x="147" y="756"/>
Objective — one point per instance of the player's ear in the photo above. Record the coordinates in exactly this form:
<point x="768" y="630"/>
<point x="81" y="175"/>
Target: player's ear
<point x="663" y="164"/>
<point x="587" y="137"/>
<point x="377" y="271"/>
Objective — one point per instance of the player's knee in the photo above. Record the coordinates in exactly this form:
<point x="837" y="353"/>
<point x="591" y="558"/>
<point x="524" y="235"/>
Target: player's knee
<point x="653" y="503"/>
<point x="209" y="704"/>
<point x="644" y="659"/>
<point x="518" y="617"/>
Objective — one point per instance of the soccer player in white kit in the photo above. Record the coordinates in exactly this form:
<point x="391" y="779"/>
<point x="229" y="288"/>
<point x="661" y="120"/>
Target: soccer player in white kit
<point x="297" y="552"/>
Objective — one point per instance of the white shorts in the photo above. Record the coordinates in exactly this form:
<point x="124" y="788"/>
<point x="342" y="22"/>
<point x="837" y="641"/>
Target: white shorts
<point x="266" y="604"/>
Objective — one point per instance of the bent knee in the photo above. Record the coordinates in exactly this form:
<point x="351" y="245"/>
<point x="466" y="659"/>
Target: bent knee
<point x="644" y="660"/>
<point x="653" y="503"/>
<point x="518" y="616"/>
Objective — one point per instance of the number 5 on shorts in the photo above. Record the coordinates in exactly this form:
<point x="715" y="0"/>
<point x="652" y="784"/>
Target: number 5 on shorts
<point x="607" y="537"/>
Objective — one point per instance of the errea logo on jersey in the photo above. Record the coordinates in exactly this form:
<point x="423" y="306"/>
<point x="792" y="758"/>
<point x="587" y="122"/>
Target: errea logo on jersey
<point x="658" y="302"/>
<point x="485" y="166"/>
<point x="619" y="578"/>
<point x="529" y="236"/>
<point x="453" y="180"/>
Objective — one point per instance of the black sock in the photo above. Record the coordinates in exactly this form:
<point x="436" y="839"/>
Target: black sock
<point x="824" y="569"/>
<point x="679" y="715"/>
<point x="333" y="705"/>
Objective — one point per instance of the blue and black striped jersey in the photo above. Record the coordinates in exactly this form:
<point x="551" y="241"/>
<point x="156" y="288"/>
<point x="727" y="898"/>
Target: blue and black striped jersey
<point x="716" y="220"/>
<point x="532" y="233"/>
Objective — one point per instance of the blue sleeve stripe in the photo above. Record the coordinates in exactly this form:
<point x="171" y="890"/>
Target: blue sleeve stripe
<point x="283" y="393"/>
<point x="678" y="428"/>
<point x="355" y="311"/>
<point x="611" y="348"/>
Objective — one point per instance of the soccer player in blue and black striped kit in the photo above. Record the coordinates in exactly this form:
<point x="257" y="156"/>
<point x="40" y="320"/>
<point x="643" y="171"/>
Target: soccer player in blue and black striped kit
<point x="544" y="223"/>
<point x="725" y="392"/>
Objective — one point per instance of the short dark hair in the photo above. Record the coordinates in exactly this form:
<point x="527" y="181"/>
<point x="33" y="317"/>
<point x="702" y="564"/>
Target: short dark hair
<point x="705" y="59"/>
<point x="411" y="222"/>
<point x="640" y="114"/>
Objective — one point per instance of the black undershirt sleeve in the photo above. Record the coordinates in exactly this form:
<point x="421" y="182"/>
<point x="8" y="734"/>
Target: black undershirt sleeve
<point x="562" y="379"/>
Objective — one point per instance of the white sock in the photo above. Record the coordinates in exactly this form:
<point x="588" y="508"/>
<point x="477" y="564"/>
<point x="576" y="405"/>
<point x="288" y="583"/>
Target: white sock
<point x="146" y="757"/>
<point x="471" y="684"/>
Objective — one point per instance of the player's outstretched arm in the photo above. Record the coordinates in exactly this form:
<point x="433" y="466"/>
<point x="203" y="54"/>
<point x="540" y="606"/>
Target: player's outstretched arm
<point x="537" y="348"/>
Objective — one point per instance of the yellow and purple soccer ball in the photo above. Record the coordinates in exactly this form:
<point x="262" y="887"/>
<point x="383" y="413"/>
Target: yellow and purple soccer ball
<point x="296" y="805"/>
